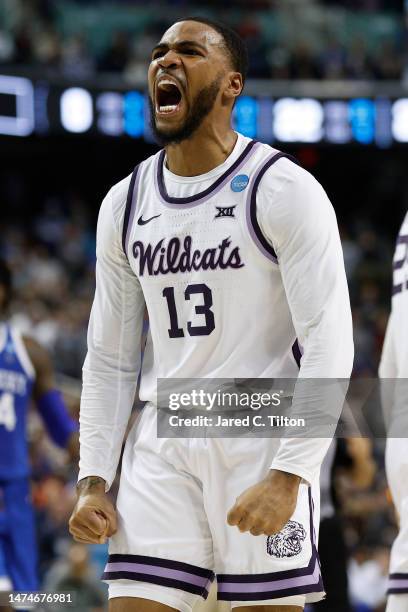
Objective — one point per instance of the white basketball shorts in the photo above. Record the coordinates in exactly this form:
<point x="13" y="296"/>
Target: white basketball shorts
<point x="173" y="536"/>
<point x="396" y="461"/>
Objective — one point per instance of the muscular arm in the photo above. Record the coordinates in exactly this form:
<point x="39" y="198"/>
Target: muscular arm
<point x="113" y="360"/>
<point x="44" y="371"/>
<point x="298" y="219"/>
<point x="363" y="467"/>
<point x="109" y="375"/>
<point x="61" y="427"/>
<point x="296" y="216"/>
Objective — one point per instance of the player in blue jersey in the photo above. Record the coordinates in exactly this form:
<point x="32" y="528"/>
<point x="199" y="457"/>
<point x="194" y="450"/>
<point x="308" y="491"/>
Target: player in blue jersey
<point x="26" y="372"/>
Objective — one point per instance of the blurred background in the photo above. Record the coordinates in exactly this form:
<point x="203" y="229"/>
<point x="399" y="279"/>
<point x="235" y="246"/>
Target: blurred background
<point x="328" y="83"/>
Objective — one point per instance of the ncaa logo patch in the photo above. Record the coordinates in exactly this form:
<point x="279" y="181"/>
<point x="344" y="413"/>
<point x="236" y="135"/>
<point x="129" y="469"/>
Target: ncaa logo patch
<point x="239" y="182"/>
<point x="288" y="542"/>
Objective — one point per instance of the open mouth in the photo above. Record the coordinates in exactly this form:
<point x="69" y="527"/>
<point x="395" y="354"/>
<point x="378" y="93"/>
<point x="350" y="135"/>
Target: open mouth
<point x="292" y="543"/>
<point x="168" y="97"/>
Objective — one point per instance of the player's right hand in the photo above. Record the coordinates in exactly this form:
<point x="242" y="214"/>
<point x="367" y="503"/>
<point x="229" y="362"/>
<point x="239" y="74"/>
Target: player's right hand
<point x="93" y="519"/>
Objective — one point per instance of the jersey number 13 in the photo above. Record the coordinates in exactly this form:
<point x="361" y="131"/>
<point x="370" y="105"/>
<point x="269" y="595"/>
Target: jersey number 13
<point x="203" y="309"/>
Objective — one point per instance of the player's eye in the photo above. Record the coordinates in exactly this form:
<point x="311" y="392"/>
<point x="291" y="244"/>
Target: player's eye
<point x="157" y="54"/>
<point x="184" y="51"/>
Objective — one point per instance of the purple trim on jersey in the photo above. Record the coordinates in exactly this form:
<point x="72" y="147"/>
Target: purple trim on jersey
<point x="398" y="264"/>
<point x="256" y="587"/>
<point x="397" y="583"/>
<point x="189" y="202"/>
<point x="130" y="207"/>
<point x="254" y="229"/>
<point x="165" y="572"/>
<point x="396" y="289"/>
<point x="297" y="352"/>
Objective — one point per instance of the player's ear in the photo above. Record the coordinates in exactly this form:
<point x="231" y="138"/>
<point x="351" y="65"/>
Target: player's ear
<point x="234" y="86"/>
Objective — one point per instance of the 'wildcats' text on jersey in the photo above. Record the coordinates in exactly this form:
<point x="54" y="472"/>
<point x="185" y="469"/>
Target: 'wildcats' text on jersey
<point x="174" y="256"/>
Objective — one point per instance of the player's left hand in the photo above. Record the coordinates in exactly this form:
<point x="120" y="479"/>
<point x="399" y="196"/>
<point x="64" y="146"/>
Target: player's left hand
<point x="266" y="507"/>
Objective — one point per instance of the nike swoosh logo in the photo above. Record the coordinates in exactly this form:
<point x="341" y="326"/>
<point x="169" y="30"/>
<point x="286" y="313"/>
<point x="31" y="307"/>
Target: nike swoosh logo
<point x="142" y="221"/>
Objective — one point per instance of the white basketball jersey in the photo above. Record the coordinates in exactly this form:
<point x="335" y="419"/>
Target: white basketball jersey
<point x="242" y="274"/>
<point x="212" y="285"/>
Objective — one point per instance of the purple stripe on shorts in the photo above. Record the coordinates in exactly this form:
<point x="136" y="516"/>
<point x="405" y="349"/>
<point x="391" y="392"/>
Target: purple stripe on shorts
<point x="190" y="202"/>
<point x="397" y="583"/>
<point x="272" y="576"/>
<point x="157" y="571"/>
<point x="160" y="562"/>
<point x="162" y="581"/>
<point x="280" y="575"/>
<point x="272" y="585"/>
<point x="398" y="576"/>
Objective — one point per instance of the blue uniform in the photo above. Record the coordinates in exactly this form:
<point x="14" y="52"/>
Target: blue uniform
<point x="18" y="558"/>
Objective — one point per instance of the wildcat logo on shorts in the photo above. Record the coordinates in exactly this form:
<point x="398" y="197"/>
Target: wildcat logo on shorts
<point x="288" y="542"/>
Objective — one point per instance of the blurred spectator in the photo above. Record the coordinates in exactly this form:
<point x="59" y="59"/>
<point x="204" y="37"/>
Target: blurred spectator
<point x="37" y="34"/>
<point x="75" y="575"/>
<point x="250" y="30"/>
<point x="332" y="59"/>
<point x="23" y="44"/>
<point x="368" y="577"/>
<point x="77" y="62"/>
<point x="116" y="57"/>
<point x="7" y="47"/>
<point x="388" y="64"/>
<point x="47" y="48"/>
<point x="357" y="62"/>
<point x="302" y="63"/>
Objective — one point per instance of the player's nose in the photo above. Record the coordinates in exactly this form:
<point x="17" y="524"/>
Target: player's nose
<point x="171" y="59"/>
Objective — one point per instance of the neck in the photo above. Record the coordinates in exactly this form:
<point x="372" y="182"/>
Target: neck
<point x="201" y="153"/>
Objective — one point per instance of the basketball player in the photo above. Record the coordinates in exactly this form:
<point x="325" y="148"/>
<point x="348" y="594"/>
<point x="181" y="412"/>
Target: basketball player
<point x="235" y="251"/>
<point x="394" y="365"/>
<point x="25" y="371"/>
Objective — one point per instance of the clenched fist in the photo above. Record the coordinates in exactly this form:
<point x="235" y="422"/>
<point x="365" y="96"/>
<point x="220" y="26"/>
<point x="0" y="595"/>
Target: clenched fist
<point x="266" y="507"/>
<point x="93" y="519"/>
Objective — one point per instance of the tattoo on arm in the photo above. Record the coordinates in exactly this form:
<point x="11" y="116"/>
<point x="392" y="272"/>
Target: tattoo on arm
<point x="91" y="484"/>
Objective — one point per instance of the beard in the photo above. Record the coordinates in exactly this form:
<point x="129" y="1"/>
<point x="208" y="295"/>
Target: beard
<point x="201" y="106"/>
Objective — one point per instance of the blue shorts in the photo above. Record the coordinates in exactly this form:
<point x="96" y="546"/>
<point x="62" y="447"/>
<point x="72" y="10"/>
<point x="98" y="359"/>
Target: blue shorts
<point x="18" y="546"/>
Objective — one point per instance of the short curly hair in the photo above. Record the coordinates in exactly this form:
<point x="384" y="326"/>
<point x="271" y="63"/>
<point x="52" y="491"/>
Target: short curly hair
<point x="234" y="45"/>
